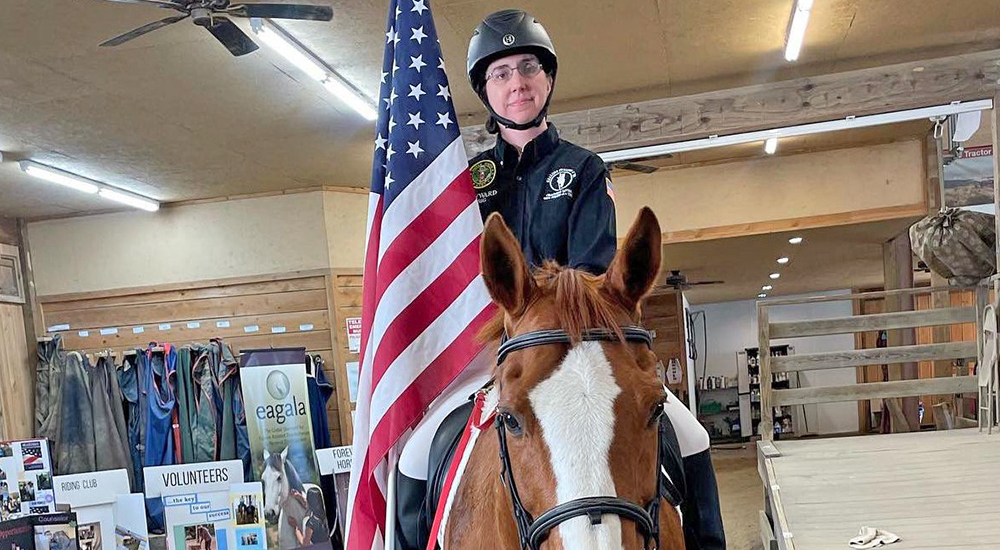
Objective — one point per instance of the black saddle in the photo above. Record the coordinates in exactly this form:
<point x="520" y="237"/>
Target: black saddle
<point x="417" y="500"/>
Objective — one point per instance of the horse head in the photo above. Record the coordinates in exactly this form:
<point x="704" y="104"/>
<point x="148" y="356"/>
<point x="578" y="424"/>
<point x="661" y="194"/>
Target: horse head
<point x="581" y="416"/>
<point x="279" y="479"/>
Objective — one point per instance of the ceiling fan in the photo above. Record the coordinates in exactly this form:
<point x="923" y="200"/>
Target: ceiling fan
<point x="214" y="15"/>
<point x="678" y="280"/>
<point x="638" y="166"/>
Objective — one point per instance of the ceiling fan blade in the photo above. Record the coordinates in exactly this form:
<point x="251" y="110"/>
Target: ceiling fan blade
<point x="120" y="39"/>
<point x="636" y="167"/>
<point x="708" y="283"/>
<point x="158" y="3"/>
<point x="283" y="11"/>
<point x="234" y="39"/>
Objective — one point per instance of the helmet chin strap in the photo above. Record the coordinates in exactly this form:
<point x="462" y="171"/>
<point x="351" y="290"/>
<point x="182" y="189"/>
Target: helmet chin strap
<point x="510" y="124"/>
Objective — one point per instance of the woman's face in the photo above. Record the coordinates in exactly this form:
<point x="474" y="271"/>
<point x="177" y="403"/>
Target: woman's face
<point x="513" y="95"/>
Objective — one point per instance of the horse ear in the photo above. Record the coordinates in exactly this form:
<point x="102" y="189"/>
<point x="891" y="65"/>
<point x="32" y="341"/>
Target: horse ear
<point x="284" y="454"/>
<point x="505" y="270"/>
<point x="637" y="263"/>
<point x="266" y="455"/>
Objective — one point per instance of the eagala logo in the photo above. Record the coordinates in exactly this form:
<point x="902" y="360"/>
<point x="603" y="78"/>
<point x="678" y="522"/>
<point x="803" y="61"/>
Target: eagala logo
<point x="559" y="182"/>
<point x="278" y="387"/>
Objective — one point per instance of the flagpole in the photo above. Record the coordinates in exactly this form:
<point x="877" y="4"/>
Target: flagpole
<point x="390" y="502"/>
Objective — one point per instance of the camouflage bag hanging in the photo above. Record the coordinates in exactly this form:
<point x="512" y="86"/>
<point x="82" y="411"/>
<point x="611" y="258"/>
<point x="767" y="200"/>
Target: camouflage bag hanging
<point x="956" y="244"/>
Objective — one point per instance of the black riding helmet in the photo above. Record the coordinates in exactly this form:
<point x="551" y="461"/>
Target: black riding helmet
<point x="503" y="33"/>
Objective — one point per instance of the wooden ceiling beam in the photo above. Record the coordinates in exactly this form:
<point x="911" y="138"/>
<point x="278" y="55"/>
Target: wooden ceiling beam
<point x="774" y="105"/>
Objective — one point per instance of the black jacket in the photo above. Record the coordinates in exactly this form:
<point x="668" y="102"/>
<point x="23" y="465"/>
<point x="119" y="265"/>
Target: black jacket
<point x="557" y="199"/>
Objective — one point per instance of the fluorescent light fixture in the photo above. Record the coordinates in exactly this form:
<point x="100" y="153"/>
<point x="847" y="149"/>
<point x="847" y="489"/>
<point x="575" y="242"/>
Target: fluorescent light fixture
<point x="338" y="88"/>
<point x="775" y="275"/>
<point x="771" y="145"/>
<point x="847" y="123"/>
<point x="289" y="51"/>
<point x="81" y="183"/>
<point x="766" y="287"/>
<point x="762" y="295"/>
<point x="797" y="29"/>
<point x="130" y="199"/>
<point x="795" y="240"/>
<point x="783" y="260"/>
<point x="308" y="62"/>
<point x="54" y="175"/>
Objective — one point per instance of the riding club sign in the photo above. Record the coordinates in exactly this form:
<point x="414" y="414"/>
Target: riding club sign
<point x="282" y="450"/>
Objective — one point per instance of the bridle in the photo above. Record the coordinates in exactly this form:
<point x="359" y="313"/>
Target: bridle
<point x="532" y="531"/>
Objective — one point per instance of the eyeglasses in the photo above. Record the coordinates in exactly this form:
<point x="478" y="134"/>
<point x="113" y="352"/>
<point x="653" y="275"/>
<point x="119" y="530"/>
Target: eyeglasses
<point x="527" y="67"/>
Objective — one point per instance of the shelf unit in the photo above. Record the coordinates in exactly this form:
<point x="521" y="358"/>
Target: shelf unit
<point x="783" y="421"/>
<point x="723" y="423"/>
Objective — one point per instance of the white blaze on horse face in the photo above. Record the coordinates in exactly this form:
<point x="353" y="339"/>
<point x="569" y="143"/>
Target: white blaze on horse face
<point x="575" y="407"/>
<point x="275" y="489"/>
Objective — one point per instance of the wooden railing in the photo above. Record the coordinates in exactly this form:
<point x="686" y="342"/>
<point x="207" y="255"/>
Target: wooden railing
<point x="768" y="331"/>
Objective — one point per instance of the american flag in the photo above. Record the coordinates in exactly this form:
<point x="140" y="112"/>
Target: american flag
<point x="423" y="297"/>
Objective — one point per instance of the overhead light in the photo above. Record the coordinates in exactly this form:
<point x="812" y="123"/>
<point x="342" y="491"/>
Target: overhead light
<point x="766" y="287"/>
<point x="762" y="295"/>
<point x="61" y="177"/>
<point x="340" y="89"/>
<point x="130" y="199"/>
<point x="774" y="275"/>
<point x="846" y="123"/>
<point x="308" y="62"/>
<point x="81" y="183"/>
<point x="771" y="145"/>
<point x="797" y="29"/>
<point x="783" y="260"/>
<point x="795" y="240"/>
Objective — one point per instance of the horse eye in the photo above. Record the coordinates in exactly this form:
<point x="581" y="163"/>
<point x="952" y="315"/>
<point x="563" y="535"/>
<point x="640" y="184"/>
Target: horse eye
<point x="656" y="412"/>
<point x="511" y="423"/>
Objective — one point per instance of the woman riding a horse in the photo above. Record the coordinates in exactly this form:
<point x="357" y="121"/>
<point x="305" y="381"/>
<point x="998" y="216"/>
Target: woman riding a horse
<point x="558" y="202"/>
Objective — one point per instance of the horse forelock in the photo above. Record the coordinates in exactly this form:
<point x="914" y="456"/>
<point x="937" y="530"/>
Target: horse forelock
<point x="576" y="299"/>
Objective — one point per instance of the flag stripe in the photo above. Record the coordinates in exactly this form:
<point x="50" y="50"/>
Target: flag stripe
<point x="422" y="272"/>
<point x="426" y="307"/>
<point x="451" y="360"/>
<point x="428" y="345"/>
<point x="423" y="230"/>
<point x="422" y="191"/>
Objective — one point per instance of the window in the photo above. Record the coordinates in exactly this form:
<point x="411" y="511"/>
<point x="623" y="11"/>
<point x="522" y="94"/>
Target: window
<point x="11" y="289"/>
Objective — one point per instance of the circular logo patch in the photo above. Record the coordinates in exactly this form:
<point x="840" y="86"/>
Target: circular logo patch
<point x="278" y="385"/>
<point x="483" y="173"/>
<point x="508" y="39"/>
<point x="560" y="179"/>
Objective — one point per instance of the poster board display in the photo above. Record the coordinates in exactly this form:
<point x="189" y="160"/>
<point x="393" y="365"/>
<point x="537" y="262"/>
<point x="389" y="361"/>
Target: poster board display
<point x="207" y="506"/>
<point x="92" y="496"/>
<point x="25" y="478"/>
<point x="282" y="449"/>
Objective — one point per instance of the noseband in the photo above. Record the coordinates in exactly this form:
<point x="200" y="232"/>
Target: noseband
<point x="533" y="532"/>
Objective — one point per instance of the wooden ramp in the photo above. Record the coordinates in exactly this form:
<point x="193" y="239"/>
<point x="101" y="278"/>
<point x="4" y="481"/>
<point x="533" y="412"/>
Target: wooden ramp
<point x="933" y="489"/>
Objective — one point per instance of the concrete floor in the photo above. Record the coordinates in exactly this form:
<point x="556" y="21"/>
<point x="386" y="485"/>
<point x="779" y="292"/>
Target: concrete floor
<point x="741" y="494"/>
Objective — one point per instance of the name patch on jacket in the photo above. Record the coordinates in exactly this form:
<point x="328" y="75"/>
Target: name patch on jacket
<point x="560" y="182"/>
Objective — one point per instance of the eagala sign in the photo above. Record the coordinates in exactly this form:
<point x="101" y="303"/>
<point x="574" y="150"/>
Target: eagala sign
<point x="279" y="388"/>
<point x="280" y="411"/>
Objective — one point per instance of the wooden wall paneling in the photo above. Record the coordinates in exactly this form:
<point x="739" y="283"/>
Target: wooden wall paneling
<point x="202" y="330"/>
<point x="185" y="294"/>
<point x="339" y="285"/>
<point x="169" y="287"/>
<point x="663" y="311"/>
<point x="190" y="310"/>
<point x="17" y="393"/>
<point x="345" y="302"/>
<point x="283" y="310"/>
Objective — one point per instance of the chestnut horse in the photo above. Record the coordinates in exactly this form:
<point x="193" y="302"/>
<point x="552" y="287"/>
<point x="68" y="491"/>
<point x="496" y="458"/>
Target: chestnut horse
<point x="578" y="418"/>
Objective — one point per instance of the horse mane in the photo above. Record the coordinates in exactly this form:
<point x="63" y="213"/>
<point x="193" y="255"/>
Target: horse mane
<point x="294" y="481"/>
<point x="579" y="303"/>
